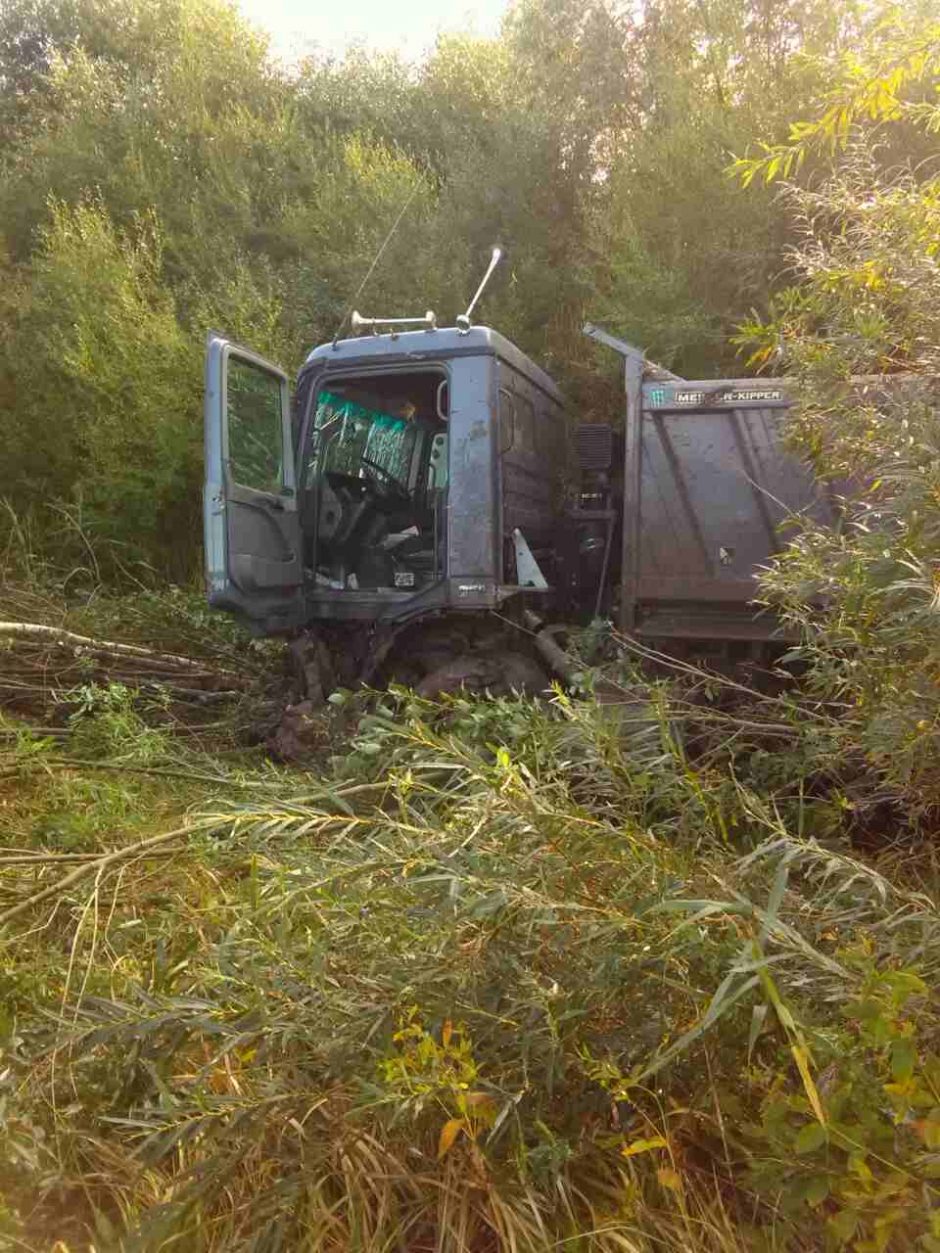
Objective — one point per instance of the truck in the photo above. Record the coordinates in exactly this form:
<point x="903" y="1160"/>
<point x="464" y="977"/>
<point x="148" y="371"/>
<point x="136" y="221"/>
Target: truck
<point x="422" y="506"/>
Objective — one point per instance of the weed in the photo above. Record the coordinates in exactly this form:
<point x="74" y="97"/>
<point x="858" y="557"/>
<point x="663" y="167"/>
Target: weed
<point x="105" y="722"/>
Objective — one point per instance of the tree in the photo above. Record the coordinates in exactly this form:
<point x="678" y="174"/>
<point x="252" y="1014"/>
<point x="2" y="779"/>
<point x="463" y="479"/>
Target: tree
<point x="859" y="328"/>
<point x="590" y="140"/>
<point x="688" y="254"/>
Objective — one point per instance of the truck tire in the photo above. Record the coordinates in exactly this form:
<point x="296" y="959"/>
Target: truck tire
<point x="500" y="674"/>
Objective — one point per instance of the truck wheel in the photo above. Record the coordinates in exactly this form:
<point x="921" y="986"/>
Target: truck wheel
<point x="500" y="675"/>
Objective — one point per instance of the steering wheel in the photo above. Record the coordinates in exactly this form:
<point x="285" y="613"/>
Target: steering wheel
<point x="386" y="475"/>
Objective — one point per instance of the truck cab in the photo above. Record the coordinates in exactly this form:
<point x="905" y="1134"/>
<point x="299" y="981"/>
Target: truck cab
<point x="406" y="475"/>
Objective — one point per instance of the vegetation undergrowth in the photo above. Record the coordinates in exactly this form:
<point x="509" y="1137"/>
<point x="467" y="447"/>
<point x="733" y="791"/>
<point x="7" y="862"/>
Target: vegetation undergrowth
<point x="514" y="975"/>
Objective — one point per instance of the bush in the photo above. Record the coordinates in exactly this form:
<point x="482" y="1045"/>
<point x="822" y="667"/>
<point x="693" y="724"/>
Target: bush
<point x="108" y="391"/>
<point x="863" y="596"/>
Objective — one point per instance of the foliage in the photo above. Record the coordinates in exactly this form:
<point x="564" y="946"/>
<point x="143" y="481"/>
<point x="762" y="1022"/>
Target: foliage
<point x="105" y="723"/>
<point x="162" y="175"/>
<point x="104" y="378"/>
<point x="858" y="330"/>
<point x="708" y="76"/>
<point x="889" y="82"/>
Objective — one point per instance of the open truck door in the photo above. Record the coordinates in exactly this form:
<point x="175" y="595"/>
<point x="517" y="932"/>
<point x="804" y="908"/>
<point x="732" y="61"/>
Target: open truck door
<point x="252" y="531"/>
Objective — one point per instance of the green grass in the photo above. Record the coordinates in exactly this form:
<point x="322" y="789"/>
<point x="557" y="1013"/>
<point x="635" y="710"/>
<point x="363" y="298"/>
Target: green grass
<point x="501" y="976"/>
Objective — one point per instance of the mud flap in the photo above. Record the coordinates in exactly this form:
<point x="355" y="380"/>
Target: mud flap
<point x="303" y="727"/>
<point x="311" y="668"/>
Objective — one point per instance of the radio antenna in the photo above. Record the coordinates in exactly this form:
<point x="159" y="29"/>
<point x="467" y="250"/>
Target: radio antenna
<point x="375" y="260"/>
<point x="463" y="319"/>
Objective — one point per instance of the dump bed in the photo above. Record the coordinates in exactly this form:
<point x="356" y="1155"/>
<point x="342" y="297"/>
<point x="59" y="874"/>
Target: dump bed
<point x="708" y="487"/>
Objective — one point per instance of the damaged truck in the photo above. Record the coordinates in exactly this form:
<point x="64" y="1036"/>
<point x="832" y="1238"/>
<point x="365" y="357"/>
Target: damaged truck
<point x="420" y="506"/>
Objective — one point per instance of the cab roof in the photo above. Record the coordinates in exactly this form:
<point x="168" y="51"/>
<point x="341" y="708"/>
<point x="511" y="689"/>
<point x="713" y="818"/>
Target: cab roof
<point x="428" y="346"/>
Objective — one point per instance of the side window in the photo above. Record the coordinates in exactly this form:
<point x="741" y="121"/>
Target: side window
<point x="507" y="420"/>
<point x="255" y="425"/>
<point x="517" y="424"/>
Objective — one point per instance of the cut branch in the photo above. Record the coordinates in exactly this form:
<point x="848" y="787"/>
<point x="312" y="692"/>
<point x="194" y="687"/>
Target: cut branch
<point x="145" y="659"/>
<point x="141" y="848"/>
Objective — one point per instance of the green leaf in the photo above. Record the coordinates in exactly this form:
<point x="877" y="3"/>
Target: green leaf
<point x="930" y="1130"/>
<point x="859" y="1167"/>
<point x="644" y="1146"/>
<point x="904" y="983"/>
<point x="903" y="1057"/>
<point x="775" y="899"/>
<point x="810" y="1138"/>
<point x="720" y="1003"/>
<point x="816" y="1189"/>
<point x="758" y="1017"/>
<point x="843" y="1225"/>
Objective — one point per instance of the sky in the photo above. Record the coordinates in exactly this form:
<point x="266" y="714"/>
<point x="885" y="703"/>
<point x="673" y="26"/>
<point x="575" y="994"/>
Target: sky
<point x="408" y="26"/>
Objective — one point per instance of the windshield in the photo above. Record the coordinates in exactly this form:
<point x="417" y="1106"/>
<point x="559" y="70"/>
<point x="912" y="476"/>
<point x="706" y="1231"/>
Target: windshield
<point x="347" y="434"/>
